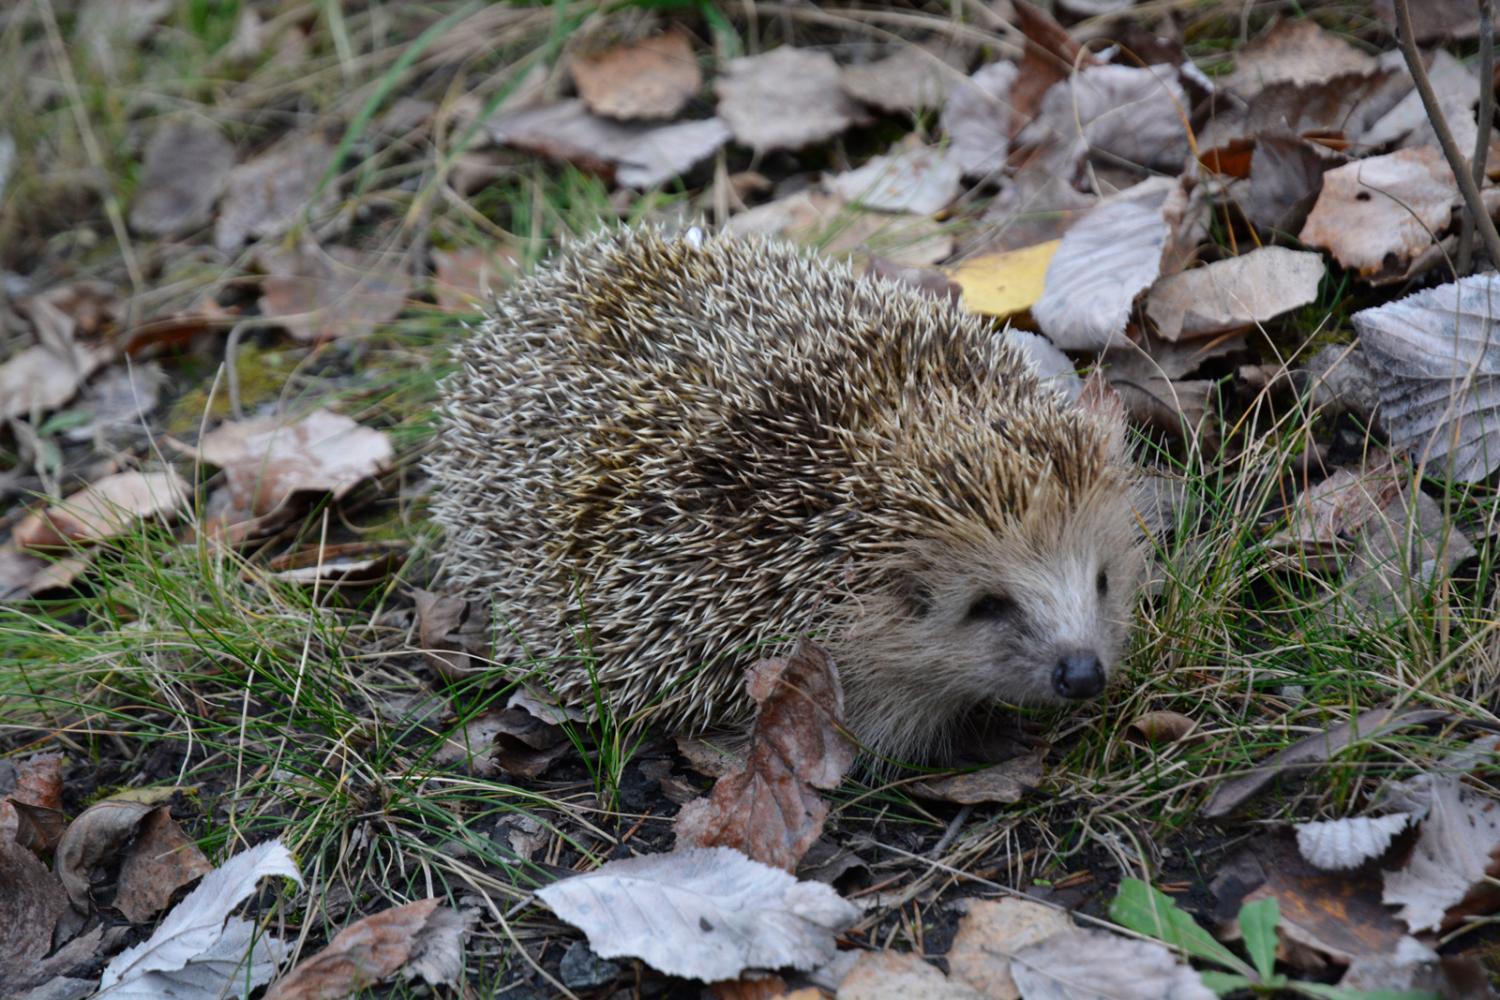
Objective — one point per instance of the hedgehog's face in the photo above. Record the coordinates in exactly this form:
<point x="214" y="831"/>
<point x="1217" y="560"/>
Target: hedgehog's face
<point x="1038" y="613"/>
<point x="1046" y="618"/>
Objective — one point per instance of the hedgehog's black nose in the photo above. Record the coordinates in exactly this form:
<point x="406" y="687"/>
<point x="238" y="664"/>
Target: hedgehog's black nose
<point x="1078" y="674"/>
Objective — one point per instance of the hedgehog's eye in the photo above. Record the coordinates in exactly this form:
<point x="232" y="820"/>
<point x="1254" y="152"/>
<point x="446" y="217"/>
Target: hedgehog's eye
<point x="991" y="606"/>
<point x="1101" y="583"/>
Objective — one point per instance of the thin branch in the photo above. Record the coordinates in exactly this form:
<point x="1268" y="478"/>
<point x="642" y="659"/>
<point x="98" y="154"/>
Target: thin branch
<point x="1456" y="160"/>
<point x="1485" y="119"/>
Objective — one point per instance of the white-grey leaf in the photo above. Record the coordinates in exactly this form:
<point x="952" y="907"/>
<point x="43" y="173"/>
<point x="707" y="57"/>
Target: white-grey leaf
<point x="921" y="180"/>
<point x="1131" y="113"/>
<point x="977" y="119"/>
<point x="235" y="964"/>
<point x="702" y="913"/>
<point x="1108" y="258"/>
<point x="196" y="931"/>
<point x="1450" y="857"/>
<point x="1053" y="366"/>
<point x="1097" y="965"/>
<point x="1341" y="844"/>
<point x="1440" y="395"/>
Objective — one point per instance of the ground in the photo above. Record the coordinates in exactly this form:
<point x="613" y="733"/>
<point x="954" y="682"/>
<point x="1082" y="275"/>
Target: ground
<point x="260" y="665"/>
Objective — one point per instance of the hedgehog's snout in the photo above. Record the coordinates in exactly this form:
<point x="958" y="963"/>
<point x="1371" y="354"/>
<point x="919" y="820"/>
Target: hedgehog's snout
<point x="1078" y="675"/>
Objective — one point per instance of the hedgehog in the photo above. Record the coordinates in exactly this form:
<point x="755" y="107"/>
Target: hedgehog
<point x="663" y="455"/>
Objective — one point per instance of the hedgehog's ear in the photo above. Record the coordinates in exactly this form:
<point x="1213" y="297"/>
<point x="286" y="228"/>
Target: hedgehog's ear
<point x="912" y="591"/>
<point x="1099" y="399"/>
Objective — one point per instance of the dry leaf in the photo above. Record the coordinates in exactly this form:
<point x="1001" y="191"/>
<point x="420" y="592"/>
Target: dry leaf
<point x="112" y="506"/>
<point x="161" y="860"/>
<point x="911" y="79"/>
<point x="97" y="834"/>
<point x="918" y="179"/>
<point x="1295" y="51"/>
<point x="787" y="98"/>
<point x="30" y="907"/>
<point x="1457" y="90"/>
<point x="117" y="399"/>
<point x="769" y="809"/>
<point x="268" y="462"/>
<point x="990" y="932"/>
<point x="1126" y="113"/>
<point x="1163" y="726"/>
<point x="1109" y="257"/>
<point x="465" y="279"/>
<point x="1313" y="752"/>
<point x="38" y="379"/>
<point x="1377" y="214"/>
<point x="824" y="220"/>
<point x="422" y="938"/>
<point x="1438" y="367"/>
<point x="651" y="78"/>
<point x="1434" y="20"/>
<point x="890" y="975"/>
<point x="266" y="195"/>
<point x="1286" y="177"/>
<point x="199" y="951"/>
<point x="977" y="118"/>
<point x="1235" y="293"/>
<point x="1079" y="964"/>
<point x="186" y="167"/>
<point x="1453" y="857"/>
<point x="1051" y="54"/>
<point x="506" y="740"/>
<point x="348" y="563"/>
<point x="1006" y="283"/>
<point x="1004" y="782"/>
<point x="702" y="913"/>
<point x="640" y="156"/>
<point x="454" y="634"/>
<point x="325" y="295"/>
<point x="1342" y="844"/>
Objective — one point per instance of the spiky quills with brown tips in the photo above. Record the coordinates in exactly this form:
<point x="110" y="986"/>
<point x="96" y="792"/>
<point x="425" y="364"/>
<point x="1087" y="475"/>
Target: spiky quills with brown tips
<point x="684" y="449"/>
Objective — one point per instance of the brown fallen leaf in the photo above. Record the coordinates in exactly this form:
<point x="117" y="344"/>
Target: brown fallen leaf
<point x="265" y="196"/>
<point x="95" y="836"/>
<point x="1295" y="51"/>
<point x="1163" y="726"/>
<point x="161" y="860"/>
<point x="31" y="809"/>
<point x="505" y="740"/>
<point x="991" y="931"/>
<point x="186" y="167"/>
<point x="1376" y="214"/>
<point x="454" y="634"/>
<point x="1312" y="753"/>
<point x="268" y="462"/>
<point x="1234" y="293"/>
<point x="325" y="295"/>
<point x="420" y="939"/>
<point x="351" y="563"/>
<point x="1286" y="177"/>
<point x="1051" y="53"/>
<point x="30" y="907"/>
<point x="464" y="279"/>
<point x="769" y="809"/>
<point x="651" y="78"/>
<point x="112" y="506"/>
<point x="1005" y="782"/>
<point x="756" y="94"/>
<point x="1434" y="20"/>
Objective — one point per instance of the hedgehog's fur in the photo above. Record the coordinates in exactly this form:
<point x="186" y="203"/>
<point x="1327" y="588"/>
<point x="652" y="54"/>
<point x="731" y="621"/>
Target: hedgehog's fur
<point x="669" y="451"/>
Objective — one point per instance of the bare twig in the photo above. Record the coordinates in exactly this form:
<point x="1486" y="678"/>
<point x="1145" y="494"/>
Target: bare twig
<point x="1485" y="120"/>
<point x="1456" y="161"/>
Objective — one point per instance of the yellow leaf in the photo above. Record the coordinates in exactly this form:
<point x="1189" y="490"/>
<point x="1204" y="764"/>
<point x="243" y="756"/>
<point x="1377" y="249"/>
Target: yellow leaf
<point x="1003" y="284"/>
